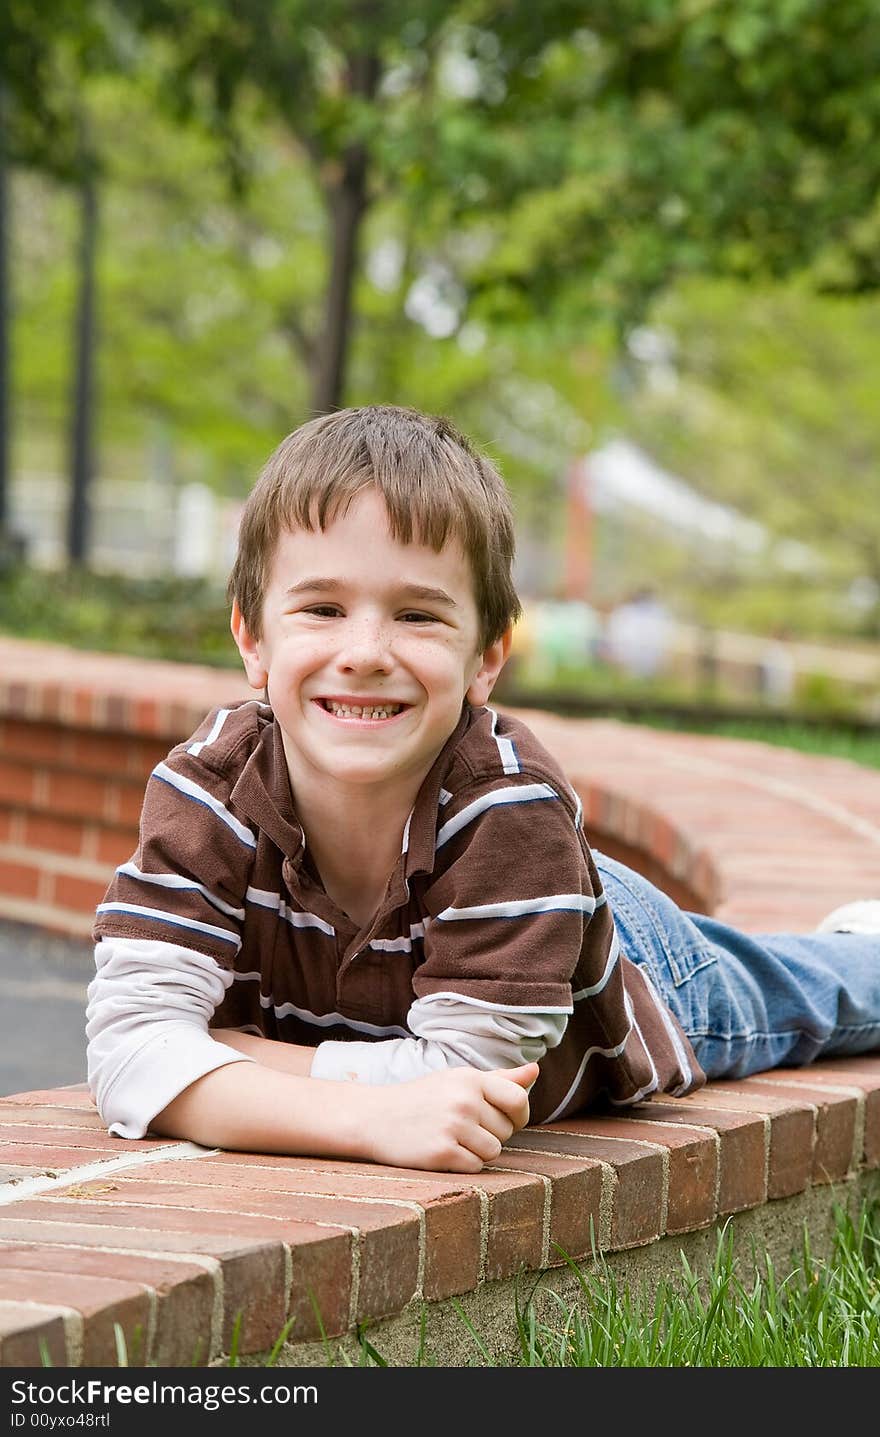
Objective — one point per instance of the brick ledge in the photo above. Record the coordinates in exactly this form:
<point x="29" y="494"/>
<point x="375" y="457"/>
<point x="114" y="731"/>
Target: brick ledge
<point x="174" y="1250"/>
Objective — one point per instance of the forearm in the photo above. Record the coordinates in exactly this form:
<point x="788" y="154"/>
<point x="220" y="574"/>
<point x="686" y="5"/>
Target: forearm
<point x="288" y="1058"/>
<point x="257" y="1108"/>
<point x="451" y="1121"/>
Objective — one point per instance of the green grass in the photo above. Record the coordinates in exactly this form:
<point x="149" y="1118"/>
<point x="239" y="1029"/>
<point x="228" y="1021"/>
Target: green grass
<point x="816" y="1314"/>
<point x="836" y="742"/>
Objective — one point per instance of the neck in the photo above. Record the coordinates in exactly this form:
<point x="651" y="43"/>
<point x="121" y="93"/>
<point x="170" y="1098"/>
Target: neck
<point x="354" y="836"/>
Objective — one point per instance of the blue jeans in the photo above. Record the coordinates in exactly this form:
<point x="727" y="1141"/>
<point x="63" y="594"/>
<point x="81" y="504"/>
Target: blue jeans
<point x="749" y="1001"/>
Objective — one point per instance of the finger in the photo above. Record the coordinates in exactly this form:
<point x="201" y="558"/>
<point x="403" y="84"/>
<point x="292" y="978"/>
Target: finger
<point x="496" y="1122"/>
<point x="509" y="1097"/>
<point x="526" y="1074"/>
<point x="482" y="1143"/>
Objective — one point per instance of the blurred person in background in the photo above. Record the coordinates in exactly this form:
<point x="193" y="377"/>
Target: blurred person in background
<point x="637" y="634"/>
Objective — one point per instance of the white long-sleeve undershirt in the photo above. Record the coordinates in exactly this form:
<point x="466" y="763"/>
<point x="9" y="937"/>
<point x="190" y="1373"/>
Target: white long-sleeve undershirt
<point x="147" y="1028"/>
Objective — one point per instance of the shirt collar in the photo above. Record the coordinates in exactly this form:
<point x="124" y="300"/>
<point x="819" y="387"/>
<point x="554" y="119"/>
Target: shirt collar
<point x="422" y="827"/>
<point x="262" y="791"/>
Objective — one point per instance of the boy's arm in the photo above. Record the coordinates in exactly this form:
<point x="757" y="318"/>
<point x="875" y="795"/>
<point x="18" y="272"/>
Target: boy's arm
<point x="451" y="1121"/>
<point x="150" y="1049"/>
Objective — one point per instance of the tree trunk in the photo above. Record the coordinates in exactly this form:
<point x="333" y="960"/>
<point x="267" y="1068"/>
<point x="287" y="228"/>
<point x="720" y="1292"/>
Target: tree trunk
<point x="347" y="200"/>
<point x="83" y="398"/>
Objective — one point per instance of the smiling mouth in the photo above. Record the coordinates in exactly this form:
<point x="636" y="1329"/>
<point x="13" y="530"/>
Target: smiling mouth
<point x="373" y="712"/>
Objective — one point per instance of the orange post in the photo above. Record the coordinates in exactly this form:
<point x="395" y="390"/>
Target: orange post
<point x="578" y="532"/>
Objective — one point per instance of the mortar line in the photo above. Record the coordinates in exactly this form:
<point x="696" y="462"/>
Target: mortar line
<point x="88" y="1172"/>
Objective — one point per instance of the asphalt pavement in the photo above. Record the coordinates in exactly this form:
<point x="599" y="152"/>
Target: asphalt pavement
<point x="43" y="979"/>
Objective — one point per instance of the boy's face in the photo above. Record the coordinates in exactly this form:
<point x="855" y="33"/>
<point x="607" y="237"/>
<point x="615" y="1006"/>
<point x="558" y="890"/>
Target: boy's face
<point x="355" y="620"/>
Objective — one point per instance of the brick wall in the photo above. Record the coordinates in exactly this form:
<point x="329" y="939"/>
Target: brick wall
<point x="79" y="735"/>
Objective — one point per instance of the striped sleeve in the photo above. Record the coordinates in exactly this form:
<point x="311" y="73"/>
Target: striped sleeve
<point x="510" y="900"/>
<point x="187" y="880"/>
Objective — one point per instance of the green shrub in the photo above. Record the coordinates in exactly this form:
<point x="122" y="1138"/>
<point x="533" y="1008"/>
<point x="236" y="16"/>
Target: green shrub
<point x="164" y="618"/>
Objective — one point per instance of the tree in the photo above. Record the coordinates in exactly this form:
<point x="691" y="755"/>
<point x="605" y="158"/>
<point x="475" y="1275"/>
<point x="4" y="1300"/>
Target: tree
<point x="573" y="154"/>
<point x="47" y="51"/>
<point x="385" y="103"/>
<point x="773" y="410"/>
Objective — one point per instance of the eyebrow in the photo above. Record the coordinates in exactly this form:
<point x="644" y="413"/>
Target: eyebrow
<point x="409" y="591"/>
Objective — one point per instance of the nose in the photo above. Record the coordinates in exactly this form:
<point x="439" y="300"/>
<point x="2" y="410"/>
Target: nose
<point x="366" y="647"/>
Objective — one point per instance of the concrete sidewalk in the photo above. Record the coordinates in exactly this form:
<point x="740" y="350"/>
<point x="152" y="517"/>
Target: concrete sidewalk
<point x="43" y="978"/>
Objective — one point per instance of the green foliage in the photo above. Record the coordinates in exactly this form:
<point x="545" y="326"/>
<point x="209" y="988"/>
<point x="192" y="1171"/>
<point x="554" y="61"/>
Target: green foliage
<point x="774" y="412"/>
<point x="168" y="618"/>
<point x="841" y="742"/>
<point x="547" y="172"/>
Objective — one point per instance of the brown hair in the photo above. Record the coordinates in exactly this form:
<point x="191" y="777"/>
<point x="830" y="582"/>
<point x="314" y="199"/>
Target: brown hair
<point x="434" y="483"/>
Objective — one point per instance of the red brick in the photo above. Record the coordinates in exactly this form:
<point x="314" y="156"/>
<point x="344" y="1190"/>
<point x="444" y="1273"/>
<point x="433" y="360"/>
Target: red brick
<point x="6" y="818"/>
<point x="19" y="880"/>
<point x="575" y="1200"/>
<point x="146" y="716"/>
<point x="516" y="1226"/>
<point x="150" y="753"/>
<point x="511" y="1244"/>
<point x="184" y="1291"/>
<point x="639" y="1190"/>
<point x="742" y="1167"/>
<point x="128" y="800"/>
<point x="73" y="1126"/>
<point x="102" y="1303"/>
<point x="451" y="1209"/>
<point x="253" y="1272"/>
<point x="16" y="782"/>
<point x="57" y="835"/>
<point x="388" y="1236"/>
<point x="115" y="846"/>
<point x="51" y="1158"/>
<point x="117" y="712"/>
<point x="81" y="894"/>
<point x="792" y="1133"/>
<point x="74" y="1095"/>
<point x="835" y="1125"/>
<point x="35" y="742"/>
<point x="693" y="1165"/>
<point x="26" y="1332"/>
<point x="78" y="794"/>
<point x="320" y="1288"/>
<point x="863" y="1074"/>
<point x="85" y="705"/>
<point x="104" y="753"/>
<point x="328" y="1273"/>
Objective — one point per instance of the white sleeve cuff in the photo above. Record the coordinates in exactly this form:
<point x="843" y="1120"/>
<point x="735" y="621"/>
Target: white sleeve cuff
<point x="147" y="1027"/>
<point x="450" y="1032"/>
<point x="159" y="1072"/>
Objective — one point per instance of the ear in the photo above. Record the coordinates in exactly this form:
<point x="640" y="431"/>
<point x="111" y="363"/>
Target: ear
<point x="492" y="662"/>
<point x="249" y="648"/>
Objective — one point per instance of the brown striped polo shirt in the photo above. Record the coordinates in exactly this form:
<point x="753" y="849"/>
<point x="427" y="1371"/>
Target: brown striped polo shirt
<point x="495" y="900"/>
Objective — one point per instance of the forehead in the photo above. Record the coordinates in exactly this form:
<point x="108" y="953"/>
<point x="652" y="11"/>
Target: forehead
<point x="359" y="543"/>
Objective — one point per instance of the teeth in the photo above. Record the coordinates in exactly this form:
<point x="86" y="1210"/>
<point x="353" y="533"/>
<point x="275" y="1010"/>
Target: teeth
<point x="376" y="711"/>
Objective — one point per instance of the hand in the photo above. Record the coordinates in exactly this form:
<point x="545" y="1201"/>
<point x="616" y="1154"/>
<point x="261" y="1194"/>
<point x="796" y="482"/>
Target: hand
<point x="452" y="1121"/>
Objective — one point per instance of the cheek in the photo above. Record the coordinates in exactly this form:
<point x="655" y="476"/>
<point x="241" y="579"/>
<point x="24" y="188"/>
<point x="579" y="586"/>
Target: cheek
<point x="300" y="655"/>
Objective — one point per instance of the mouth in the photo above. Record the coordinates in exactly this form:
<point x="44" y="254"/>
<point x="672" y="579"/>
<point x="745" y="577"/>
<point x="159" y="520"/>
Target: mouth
<point x="363" y="711"/>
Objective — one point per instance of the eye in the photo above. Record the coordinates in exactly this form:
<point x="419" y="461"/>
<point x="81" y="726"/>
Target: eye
<point x="322" y="611"/>
<point x="414" y="616"/>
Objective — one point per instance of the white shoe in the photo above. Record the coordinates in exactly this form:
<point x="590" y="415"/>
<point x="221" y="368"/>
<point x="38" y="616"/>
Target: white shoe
<point x="862" y="916"/>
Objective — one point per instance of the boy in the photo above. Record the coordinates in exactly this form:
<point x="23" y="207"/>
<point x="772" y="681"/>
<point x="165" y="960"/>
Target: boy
<point x="363" y="920"/>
